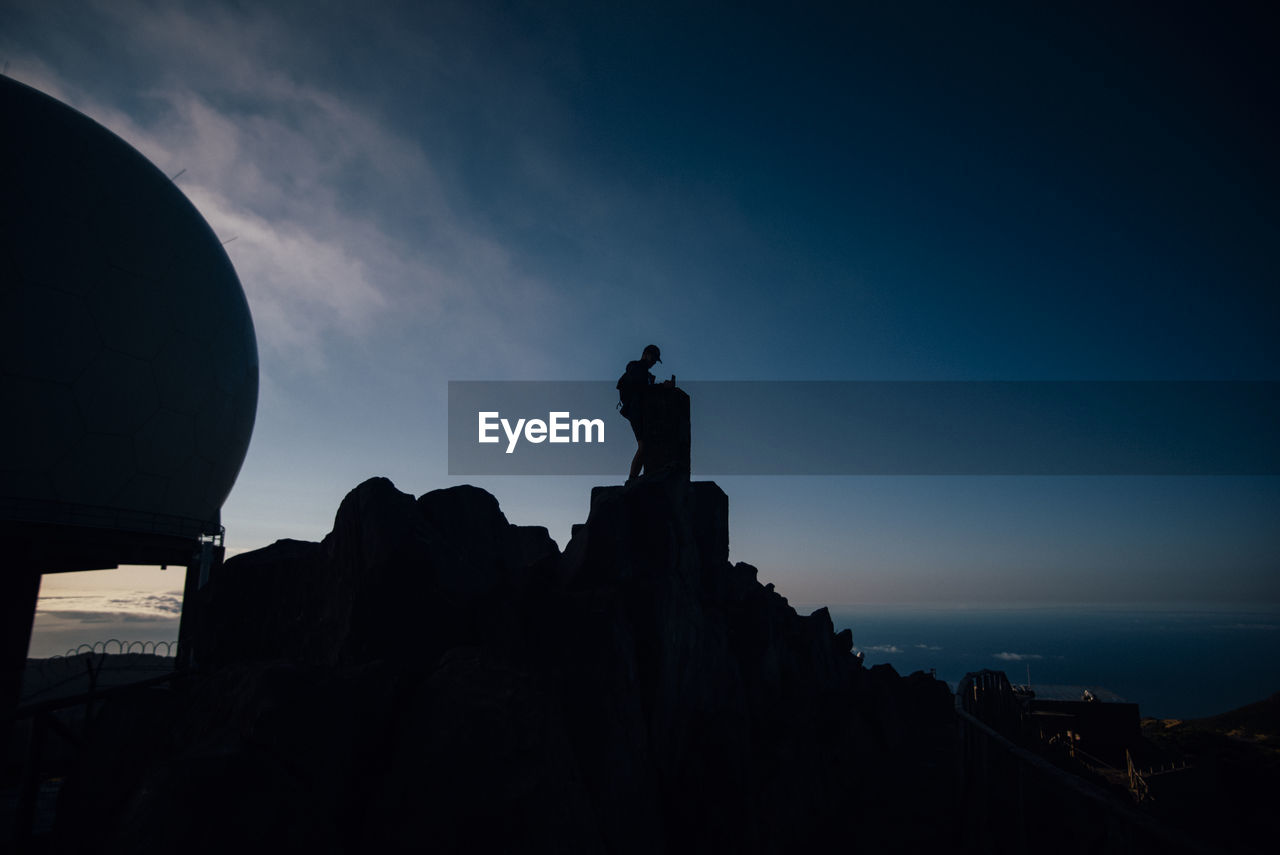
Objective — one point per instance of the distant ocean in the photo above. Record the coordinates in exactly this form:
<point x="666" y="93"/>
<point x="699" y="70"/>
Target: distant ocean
<point x="1174" y="662"/>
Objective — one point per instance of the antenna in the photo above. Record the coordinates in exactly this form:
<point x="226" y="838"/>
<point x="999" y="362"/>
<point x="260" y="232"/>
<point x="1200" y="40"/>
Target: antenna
<point x="230" y="239"/>
<point x="1028" y="675"/>
<point x="179" y="175"/>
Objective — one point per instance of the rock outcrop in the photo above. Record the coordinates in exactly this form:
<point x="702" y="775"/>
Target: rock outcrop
<point x="431" y="676"/>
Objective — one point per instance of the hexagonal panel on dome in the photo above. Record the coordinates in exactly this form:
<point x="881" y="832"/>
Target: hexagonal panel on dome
<point x="214" y="423"/>
<point x="205" y="312"/>
<point x="49" y="336"/>
<point x="96" y="470"/>
<point x="229" y="373"/>
<point x="129" y="313"/>
<point x="51" y="213"/>
<point x="165" y="442"/>
<point x="37" y="486"/>
<point x="183" y="373"/>
<point x="140" y="491"/>
<point x="132" y="222"/>
<point x="57" y="251"/>
<point x="116" y="393"/>
<point x="11" y="278"/>
<point x="42" y="431"/>
<point x="192" y="248"/>
<point x="189" y="488"/>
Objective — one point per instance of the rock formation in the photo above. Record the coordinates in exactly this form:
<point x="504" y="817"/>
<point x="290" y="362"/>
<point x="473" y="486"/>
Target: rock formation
<point x="431" y="676"/>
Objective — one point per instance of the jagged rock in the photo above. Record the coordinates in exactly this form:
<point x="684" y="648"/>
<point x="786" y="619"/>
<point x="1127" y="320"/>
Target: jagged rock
<point x="432" y="676"/>
<point x="265" y="604"/>
<point x="395" y="577"/>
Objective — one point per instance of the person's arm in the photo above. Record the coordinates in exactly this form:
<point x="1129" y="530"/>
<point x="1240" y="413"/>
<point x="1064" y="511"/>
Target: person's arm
<point x="638" y="375"/>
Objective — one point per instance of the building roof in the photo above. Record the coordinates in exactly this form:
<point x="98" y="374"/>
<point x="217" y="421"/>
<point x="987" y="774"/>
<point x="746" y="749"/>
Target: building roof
<point x="1052" y="692"/>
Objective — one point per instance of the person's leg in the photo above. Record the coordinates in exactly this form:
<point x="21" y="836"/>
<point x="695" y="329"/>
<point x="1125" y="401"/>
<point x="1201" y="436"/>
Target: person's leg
<point x="638" y="460"/>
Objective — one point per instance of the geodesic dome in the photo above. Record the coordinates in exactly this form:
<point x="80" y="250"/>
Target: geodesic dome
<point x="128" y="363"/>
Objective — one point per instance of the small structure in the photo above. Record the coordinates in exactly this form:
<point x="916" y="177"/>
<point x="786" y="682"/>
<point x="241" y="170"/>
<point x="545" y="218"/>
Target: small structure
<point x="1083" y="718"/>
<point x="989" y="697"/>
<point x="1091" y="719"/>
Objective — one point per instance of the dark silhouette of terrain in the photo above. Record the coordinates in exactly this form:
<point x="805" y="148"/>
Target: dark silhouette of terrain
<point x="430" y="676"/>
<point x="1228" y="791"/>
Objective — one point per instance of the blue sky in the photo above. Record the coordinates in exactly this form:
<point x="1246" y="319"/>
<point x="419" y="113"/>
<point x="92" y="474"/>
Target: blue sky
<point x="417" y="193"/>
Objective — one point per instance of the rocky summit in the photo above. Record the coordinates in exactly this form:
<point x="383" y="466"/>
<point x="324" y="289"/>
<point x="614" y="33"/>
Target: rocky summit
<point x="433" y="677"/>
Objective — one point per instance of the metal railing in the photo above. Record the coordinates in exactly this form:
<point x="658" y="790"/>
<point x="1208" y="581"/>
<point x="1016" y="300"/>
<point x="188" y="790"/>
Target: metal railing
<point x="43" y="715"/>
<point x="98" y="517"/>
<point x="1013" y="795"/>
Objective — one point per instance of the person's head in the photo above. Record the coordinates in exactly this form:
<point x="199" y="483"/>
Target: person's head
<point x="651" y="355"/>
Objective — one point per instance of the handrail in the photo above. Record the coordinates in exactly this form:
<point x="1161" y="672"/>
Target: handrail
<point x="1177" y="842"/>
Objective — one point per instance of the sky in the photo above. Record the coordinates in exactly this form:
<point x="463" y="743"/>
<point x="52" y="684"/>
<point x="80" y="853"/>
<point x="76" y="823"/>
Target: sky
<point x="414" y="193"/>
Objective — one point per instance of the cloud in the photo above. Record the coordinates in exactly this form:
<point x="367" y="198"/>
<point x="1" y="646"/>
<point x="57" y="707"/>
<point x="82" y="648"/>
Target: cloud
<point x="164" y="603"/>
<point x="928" y="647"/>
<point x="113" y="607"/>
<point x="77" y="616"/>
<point x="1017" y="657"/>
<point x="343" y="231"/>
<point x="883" y="648"/>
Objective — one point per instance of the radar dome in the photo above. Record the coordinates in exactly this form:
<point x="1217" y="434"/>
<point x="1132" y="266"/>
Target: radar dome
<point x="129" y="367"/>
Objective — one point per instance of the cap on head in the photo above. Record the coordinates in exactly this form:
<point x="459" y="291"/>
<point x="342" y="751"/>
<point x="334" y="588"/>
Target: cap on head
<point x="653" y="348"/>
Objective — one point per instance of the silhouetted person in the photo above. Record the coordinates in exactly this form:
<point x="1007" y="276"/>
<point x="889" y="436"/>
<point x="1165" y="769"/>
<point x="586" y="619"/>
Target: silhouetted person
<point x="632" y="387"/>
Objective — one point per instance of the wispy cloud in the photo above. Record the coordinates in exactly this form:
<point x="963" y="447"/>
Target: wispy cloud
<point x="883" y="648"/>
<point x="111" y="618"/>
<point x="1017" y="657"/>
<point x="113" y="607"/>
<point x="342" y="229"/>
<point x="164" y="603"/>
<point x="928" y="647"/>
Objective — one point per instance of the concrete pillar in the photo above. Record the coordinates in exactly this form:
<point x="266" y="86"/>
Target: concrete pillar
<point x="19" y="589"/>
<point x="204" y="564"/>
<point x="665" y="429"/>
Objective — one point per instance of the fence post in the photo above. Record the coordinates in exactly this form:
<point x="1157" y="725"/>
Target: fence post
<point x="25" y="817"/>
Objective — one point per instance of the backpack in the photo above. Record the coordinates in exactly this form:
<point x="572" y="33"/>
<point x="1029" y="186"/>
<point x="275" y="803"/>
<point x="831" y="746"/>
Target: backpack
<point x="627" y="388"/>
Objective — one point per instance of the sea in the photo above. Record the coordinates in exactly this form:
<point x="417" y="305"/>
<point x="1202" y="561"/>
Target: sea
<point x="1174" y="661"/>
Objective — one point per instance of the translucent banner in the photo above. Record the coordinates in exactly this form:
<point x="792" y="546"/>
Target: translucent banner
<point x="880" y="428"/>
